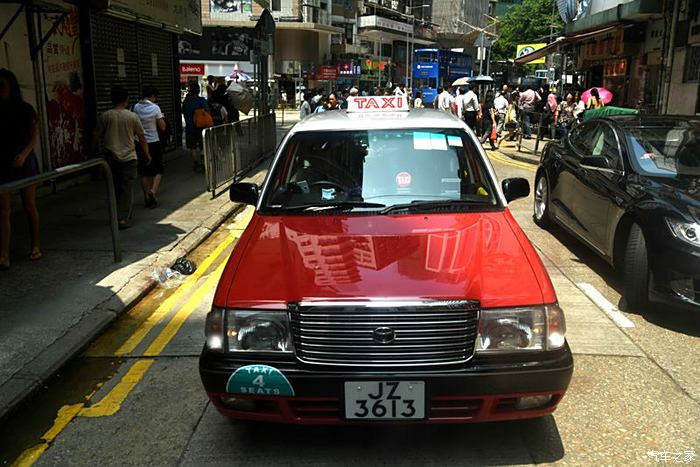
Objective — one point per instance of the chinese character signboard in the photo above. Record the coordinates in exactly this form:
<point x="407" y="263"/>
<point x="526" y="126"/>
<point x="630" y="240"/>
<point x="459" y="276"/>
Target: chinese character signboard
<point x="64" y="91"/>
<point x="327" y="72"/>
<point x="525" y="49"/>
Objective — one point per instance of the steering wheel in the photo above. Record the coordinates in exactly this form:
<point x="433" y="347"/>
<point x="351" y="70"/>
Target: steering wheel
<point x="328" y="183"/>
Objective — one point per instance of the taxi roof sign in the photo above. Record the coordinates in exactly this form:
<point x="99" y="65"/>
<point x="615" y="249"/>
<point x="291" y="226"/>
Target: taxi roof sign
<point x="366" y="104"/>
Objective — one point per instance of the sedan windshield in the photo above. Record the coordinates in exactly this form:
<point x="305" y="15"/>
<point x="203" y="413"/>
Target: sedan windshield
<point x="667" y="150"/>
<point x="372" y="170"/>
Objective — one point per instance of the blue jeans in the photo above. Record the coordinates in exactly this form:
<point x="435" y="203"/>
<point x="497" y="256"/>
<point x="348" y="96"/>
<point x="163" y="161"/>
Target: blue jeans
<point x="527" y="115"/>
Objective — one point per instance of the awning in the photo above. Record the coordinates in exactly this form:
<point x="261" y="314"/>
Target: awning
<point x="558" y="43"/>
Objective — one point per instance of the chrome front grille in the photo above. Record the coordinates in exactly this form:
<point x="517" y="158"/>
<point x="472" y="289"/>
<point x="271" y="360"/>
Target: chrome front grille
<point x="424" y="333"/>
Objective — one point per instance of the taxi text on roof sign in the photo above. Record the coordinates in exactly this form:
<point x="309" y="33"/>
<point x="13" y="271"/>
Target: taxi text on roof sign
<point x="378" y="104"/>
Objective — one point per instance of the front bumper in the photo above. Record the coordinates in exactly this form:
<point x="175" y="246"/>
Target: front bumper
<point x="675" y="275"/>
<point x="486" y="389"/>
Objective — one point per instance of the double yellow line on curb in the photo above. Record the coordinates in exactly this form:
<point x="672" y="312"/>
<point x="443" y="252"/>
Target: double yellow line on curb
<point x="499" y="157"/>
<point x="112" y="401"/>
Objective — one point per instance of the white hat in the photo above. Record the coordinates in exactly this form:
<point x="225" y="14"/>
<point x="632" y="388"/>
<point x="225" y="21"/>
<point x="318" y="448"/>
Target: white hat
<point x="353" y="91"/>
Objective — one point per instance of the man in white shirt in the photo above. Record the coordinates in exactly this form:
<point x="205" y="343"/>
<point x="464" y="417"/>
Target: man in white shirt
<point x="152" y="120"/>
<point x="469" y="107"/>
<point x="445" y="99"/>
<point x="500" y="104"/>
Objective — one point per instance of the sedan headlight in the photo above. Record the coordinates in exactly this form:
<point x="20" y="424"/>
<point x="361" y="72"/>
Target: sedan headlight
<point x="517" y="329"/>
<point x="689" y="232"/>
<point x="249" y="331"/>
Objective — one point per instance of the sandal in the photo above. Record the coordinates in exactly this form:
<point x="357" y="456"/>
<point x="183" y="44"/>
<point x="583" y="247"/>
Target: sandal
<point x="35" y="255"/>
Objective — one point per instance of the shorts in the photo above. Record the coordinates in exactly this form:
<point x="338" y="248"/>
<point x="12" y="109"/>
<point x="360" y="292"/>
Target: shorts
<point x="156" y="165"/>
<point x="193" y="139"/>
<point x="12" y="174"/>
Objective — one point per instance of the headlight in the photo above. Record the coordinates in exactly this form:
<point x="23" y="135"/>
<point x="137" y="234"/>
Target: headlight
<point x="248" y="331"/>
<point x="258" y="331"/>
<point x="516" y="329"/>
<point x="686" y="231"/>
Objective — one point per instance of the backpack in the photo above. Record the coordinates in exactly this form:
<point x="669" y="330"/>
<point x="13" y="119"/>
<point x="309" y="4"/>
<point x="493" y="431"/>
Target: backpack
<point x="202" y="118"/>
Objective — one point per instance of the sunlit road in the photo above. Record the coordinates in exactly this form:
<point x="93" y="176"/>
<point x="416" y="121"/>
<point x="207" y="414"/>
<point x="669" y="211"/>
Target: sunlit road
<point x="134" y="397"/>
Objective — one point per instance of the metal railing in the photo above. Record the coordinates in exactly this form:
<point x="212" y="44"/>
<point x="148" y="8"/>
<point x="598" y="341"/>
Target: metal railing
<point x="233" y="149"/>
<point x="71" y="169"/>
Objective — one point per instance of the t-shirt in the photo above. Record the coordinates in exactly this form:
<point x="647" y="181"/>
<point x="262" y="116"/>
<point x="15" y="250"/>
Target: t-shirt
<point x="445" y="100"/>
<point x="117" y="129"/>
<point x="149" y="112"/>
<point x="501" y="104"/>
<point x="528" y="99"/>
<point x="189" y="105"/>
<point x="469" y="102"/>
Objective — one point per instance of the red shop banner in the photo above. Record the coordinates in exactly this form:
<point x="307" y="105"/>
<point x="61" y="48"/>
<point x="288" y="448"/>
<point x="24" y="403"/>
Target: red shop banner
<point x="327" y="72"/>
<point x="192" y="69"/>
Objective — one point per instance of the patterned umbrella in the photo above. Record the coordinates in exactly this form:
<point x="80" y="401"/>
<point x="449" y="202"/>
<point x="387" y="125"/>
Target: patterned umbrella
<point x="605" y="95"/>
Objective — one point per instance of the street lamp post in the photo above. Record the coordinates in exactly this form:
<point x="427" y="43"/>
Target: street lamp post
<point x="409" y="51"/>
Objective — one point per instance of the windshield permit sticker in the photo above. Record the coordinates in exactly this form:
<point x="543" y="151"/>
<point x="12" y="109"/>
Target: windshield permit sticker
<point x="425" y="141"/>
<point x="454" y="141"/>
<point x="304" y="185"/>
<point x="421" y="141"/>
<point x="327" y="193"/>
<point x="438" y="141"/>
<point x="403" y="179"/>
<point x="259" y="380"/>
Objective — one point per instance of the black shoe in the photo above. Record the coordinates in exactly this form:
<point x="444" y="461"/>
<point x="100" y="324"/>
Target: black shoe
<point x="151" y="201"/>
<point x="124" y="224"/>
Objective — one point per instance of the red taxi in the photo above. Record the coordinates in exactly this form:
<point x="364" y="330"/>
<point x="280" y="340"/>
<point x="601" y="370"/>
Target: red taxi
<point x="382" y="278"/>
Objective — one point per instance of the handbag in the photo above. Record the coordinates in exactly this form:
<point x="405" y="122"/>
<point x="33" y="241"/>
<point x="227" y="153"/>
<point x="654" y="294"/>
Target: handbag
<point x="494" y="134"/>
<point x="202" y="118"/>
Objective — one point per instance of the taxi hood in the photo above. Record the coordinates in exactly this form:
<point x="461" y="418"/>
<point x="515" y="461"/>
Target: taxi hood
<point x="477" y="256"/>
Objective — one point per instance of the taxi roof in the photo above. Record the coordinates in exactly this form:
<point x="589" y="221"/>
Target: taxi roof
<point x="335" y="120"/>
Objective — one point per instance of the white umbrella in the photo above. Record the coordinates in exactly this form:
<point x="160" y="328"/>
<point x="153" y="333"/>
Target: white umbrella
<point x="463" y="81"/>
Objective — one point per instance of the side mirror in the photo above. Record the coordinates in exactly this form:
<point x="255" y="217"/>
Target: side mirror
<point x="595" y="162"/>
<point x="514" y="188"/>
<point x="246" y="193"/>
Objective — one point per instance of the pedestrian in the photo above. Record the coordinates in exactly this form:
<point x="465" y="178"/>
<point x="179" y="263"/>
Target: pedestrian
<point x="445" y="99"/>
<point x="18" y="133"/>
<point x="510" y="122"/>
<point x="566" y="116"/>
<point x="316" y="100"/>
<point x="594" y="102"/>
<point x="418" y="101"/>
<point x="332" y="102"/>
<point x="470" y="107"/>
<point x="211" y="87"/>
<point x="117" y="129"/>
<point x="305" y="108"/>
<point x="193" y="134"/>
<point x="550" y="110"/>
<point x="152" y="120"/>
<point x="321" y="107"/>
<point x="580" y="106"/>
<point x="501" y="106"/>
<point x="232" y="113"/>
<point x="488" y="120"/>
<point x="529" y="98"/>
<point x="219" y="113"/>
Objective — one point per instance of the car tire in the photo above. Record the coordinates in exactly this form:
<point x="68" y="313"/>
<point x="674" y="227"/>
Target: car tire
<point x="540" y="213"/>
<point x="636" y="272"/>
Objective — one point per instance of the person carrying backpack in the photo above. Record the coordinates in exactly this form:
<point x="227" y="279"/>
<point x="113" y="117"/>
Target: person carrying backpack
<point x="195" y="109"/>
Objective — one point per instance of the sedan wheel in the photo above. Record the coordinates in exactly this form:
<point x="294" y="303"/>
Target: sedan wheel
<point x="541" y="208"/>
<point x="636" y="281"/>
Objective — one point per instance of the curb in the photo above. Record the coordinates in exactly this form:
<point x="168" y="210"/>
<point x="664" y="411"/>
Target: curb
<point x="52" y="358"/>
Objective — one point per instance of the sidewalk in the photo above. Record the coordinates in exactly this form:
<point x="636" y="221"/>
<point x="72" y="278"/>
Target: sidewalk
<point x="51" y="308"/>
<point x="527" y="150"/>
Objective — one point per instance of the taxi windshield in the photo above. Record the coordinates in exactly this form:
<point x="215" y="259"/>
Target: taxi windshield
<point x="372" y="169"/>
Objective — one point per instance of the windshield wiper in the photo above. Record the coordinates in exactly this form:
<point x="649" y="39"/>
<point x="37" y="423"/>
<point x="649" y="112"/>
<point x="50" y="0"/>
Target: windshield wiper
<point x="432" y="204"/>
<point x="331" y="206"/>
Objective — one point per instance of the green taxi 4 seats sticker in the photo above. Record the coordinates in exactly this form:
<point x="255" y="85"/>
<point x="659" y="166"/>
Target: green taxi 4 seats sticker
<point x="259" y="380"/>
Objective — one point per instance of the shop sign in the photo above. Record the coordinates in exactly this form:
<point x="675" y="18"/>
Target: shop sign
<point x="348" y="69"/>
<point x="65" y="107"/>
<point x="526" y="49"/>
<point x="192" y="69"/>
<point x="231" y="6"/>
<point x="180" y="15"/>
<point x="604" y="46"/>
<point x="374" y="21"/>
<point x="327" y="72"/>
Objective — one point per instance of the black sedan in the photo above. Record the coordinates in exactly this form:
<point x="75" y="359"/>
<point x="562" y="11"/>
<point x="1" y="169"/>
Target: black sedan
<point x="629" y="188"/>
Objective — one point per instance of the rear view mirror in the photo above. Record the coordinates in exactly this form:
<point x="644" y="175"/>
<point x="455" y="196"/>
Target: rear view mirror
<point x="514" y="188"/>
<point x="246" y="193"/>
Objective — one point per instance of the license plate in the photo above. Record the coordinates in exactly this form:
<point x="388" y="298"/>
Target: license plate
<point x="384" y="400"/>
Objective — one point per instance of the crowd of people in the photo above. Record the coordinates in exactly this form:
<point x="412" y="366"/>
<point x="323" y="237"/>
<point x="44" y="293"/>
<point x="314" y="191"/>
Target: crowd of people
<point x="497" y="116"/>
